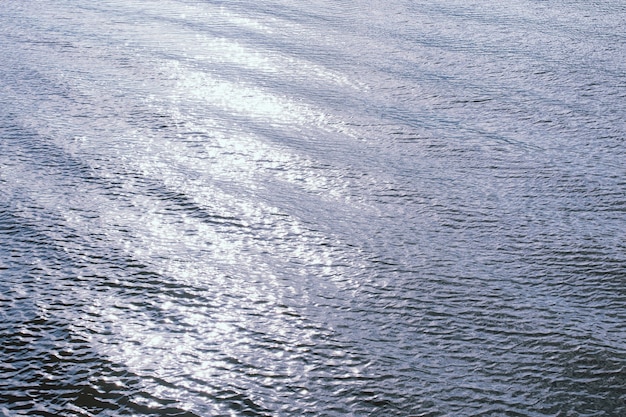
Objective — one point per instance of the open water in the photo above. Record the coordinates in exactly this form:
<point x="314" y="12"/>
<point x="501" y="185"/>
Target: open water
<point x="320" y="208"/>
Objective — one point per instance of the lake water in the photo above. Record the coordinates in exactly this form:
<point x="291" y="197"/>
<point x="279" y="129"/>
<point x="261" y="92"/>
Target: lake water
<point x="323" y="208"/>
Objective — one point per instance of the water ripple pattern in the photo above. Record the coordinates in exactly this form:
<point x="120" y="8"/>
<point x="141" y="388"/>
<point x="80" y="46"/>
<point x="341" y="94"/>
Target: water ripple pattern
<point x="399" y="208"/>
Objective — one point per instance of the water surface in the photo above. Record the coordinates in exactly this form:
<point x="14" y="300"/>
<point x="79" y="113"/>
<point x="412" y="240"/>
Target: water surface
<point x="243" y="208"/>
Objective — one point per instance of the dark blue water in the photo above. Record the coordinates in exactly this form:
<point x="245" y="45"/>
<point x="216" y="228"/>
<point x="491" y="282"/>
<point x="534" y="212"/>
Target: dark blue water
<point x="400" y="208"/>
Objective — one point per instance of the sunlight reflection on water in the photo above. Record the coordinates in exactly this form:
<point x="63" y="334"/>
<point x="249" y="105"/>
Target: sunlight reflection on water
<point x="212" y="208"/>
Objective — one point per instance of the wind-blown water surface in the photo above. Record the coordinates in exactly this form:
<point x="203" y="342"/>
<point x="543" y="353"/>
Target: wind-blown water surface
<point x="241" y="208"/>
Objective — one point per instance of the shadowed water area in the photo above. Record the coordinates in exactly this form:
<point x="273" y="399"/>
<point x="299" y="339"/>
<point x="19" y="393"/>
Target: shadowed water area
<point x="238" y="208"/>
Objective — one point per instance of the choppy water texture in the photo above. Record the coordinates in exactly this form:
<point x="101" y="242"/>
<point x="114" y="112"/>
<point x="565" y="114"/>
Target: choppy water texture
<point x="319" y="208"/>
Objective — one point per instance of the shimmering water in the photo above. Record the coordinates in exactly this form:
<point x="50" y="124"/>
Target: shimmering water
<point x="320" y="208"/>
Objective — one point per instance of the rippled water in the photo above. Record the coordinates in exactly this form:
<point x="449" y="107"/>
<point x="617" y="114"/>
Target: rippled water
<point x="241" y="208"/>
